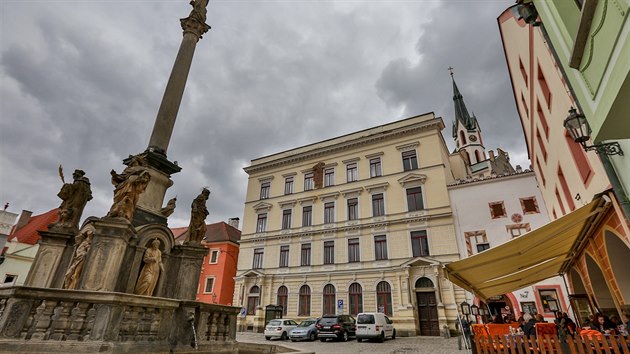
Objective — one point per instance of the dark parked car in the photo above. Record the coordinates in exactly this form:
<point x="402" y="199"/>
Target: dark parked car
<point x="339" y="327"/>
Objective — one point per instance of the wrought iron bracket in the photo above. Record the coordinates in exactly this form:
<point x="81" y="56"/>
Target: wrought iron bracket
<point x="605" y="148"/>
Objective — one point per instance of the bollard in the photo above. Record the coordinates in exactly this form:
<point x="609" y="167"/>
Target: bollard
<point x="445" y="332"/>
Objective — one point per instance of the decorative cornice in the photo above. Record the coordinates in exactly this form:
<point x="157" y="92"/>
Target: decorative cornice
<point x="307" y="199"/>
<point x="352" y="191"/>
<point x="435" y="123"/>
<point x="408" y="146"/>
<point x="352" y="160"/>
<point x="412" y="177"/>
<point x="376" y="186"/>
<point x="265" y="179"/>
<point x="376" y="154"/>
<point x="284" y="203"/>
<point x="330" y="195"/>
<point x="262" y="206"/>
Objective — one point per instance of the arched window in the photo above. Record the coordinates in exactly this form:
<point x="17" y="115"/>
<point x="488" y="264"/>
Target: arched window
<point x="283" y="294"/>
<point x="478" y="156"/>
<point x="384" y="298"/>
<point x="304" y="306"/>
<point x="356" y="298"/>
<point x="424" y="282"/>
<point x="329" y="300"/>
<point x="252" y="300"/>
<point x="462" y="137"/>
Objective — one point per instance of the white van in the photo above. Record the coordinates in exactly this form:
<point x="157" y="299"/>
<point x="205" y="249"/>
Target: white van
<point x="374" y="325"/>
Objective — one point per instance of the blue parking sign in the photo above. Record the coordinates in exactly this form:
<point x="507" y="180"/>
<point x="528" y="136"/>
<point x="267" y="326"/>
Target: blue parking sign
<point x="340" y="304"/>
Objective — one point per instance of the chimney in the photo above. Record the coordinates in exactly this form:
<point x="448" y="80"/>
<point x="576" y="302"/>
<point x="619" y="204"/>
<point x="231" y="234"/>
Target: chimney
<point x="25" y="217"/>
<point x="233" y="222"/>
<point x="491" y="153"/>
<point x="519" y="169"/>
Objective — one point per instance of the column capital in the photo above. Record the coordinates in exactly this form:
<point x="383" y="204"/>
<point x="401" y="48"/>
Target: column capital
<point x="195" y="23"/>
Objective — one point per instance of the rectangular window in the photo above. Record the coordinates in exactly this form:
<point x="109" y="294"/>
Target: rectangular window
<point x="541" y="145"/>
<point x="546" y="93"/>
<point x="214" y="256"/>
<point x="353" y="250"/>
<point x="378" y="205"/>
<point x="414" y="199"/>
<point x="518" y="229"/>
<point x="497" y="210"/>
<point x="410" y="161"/>
<point x="529" y="205"/>
<point x="375" y="167"/>
<point x="261" y="223"/>
<point x="352" y="172"/>
<point x="482" y="247"/>
<point x="565" y="189"/>
<point x="549" y="300"/>
<point x="284" y="256"/>
<point x="419" y="243"/>
<point x="286" y="219"/>
<point x="329" y="252"/>
<point x="307" y="216"/>
<point x="258" y="258"/>
<point x="579" y="156"/>
<point x="10" y="279"/>
<point x="329" y="213"/>
<point x="309" y="183"/>
<point x="305" y="259"/>
<point x="329" y="177"/>
<point x="288" y="185"/>
<point x="529" y="307"/>
<point x="353" y="209"/>
<point x="380" y="247"/>
<point x="543" y="120"/>
<point x="264" y="190"/>
<point x="209" y="285"/>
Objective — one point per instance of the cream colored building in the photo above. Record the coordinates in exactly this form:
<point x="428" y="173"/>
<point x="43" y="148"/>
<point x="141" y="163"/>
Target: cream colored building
<point x="357" y="223"/>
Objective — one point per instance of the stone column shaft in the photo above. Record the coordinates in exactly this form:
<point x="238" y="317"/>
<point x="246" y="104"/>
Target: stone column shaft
<point x="165" y="120"/>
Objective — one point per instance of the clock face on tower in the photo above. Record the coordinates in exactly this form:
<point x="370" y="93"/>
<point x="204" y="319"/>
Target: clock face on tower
<point x="472" y="138"/>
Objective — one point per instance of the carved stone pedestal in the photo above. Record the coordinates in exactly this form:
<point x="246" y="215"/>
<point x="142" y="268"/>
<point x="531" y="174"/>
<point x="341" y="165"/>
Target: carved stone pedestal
<point x="104" y="261"/>
<point x="51" y="261"/>
<point x="186" y="261"/>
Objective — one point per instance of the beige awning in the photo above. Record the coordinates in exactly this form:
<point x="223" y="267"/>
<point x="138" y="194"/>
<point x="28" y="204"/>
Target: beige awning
<point x="528" y="259"/>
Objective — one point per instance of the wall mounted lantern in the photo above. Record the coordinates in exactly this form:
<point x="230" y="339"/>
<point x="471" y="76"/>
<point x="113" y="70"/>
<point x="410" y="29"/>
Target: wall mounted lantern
<point x="474" y="309"/>
<point x="465" y="308"/>
<point x="580" y="132"/>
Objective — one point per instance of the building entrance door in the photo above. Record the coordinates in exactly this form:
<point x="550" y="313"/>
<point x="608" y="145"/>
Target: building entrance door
<point x="427" y="314"/>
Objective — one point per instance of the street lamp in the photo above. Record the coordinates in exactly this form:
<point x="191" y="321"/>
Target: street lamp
<point x="465" y="309"/>
<point x="580" y="132"/>
<point x="474" y="309"/>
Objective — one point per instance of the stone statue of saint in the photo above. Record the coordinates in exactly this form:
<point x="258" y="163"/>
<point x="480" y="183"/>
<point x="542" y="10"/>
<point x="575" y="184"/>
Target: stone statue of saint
<point x="74" y="197"/>
<point x="169" y="208"/>
<point x="151" y="270"/>
<point x="81" y="248"/>
<point x="199" y="10"/>
<point x="128" y="187"/>
<point x="197" y="227"/>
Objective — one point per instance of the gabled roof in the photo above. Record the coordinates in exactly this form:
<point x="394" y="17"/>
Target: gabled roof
<point x="222" y="232"/>
<point x="461" y="112"/>
<point x="217" y="232"/>
<point x="29" y="232"/>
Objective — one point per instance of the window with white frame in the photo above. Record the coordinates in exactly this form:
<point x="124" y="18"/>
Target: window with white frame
<point x="305" y="258"/>
<point x="378" y="205"/>
<point x="329" y="177"/>
<point x="410" y="160"/>
<point x="329" y="212"/>
<point x="414" y="199"/>
<point x="309" y="182"/>
<point x="286" y="219"/>
<point x="354" y="254"/>
<point x="264" y="190"/>
<point x="375" y="167"/>
<point x="258" y="258"/>
<point x="288" y="185"/>
<point x="209" y="286"/>
<point x="380" y="247"/>
<point x="352" y="173"/>
<point x="419" y="243"/>
<point x="307" y="215"/>
<point x="261" y="223"/>
<point x="284" y="256"/>
<point x="329" y="252"/>
<point x="353" y="209"/>
<point x="517" y="230"/>
<point x="214" y="256"/>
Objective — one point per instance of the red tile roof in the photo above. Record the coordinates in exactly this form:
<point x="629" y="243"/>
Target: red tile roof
<point x="217" y="232"/>
<point x="29" y="232"/>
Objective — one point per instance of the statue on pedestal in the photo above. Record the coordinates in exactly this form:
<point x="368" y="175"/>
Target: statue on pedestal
<point x="81" y="248"/>
<point x="128" y="187"/>
<point x="198" y="214"/>
<point x="151" y="270"/>
<point x="74" y="197"/>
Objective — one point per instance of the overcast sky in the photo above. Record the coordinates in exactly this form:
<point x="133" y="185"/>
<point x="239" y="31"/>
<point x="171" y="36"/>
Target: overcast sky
<point x="81" y="83"/>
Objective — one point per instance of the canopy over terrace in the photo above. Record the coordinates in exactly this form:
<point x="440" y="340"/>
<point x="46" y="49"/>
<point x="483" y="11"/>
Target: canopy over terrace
<point x="540" y="254"/>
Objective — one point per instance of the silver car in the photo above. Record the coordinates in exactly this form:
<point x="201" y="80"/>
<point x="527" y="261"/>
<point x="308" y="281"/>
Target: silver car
<point x="306" y="330"/>
<point x="279" y="328"/>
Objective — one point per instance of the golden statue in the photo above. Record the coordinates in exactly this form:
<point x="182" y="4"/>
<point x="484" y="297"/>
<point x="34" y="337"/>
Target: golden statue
<point x="151" y="270"/>
<point x="128" y="187"/>
<point x="81" y="248"/>
<point x="197" y="227"/>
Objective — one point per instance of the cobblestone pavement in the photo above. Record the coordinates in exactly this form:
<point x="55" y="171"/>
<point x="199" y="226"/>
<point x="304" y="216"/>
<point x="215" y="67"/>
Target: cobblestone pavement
<point x="408" y="345"/>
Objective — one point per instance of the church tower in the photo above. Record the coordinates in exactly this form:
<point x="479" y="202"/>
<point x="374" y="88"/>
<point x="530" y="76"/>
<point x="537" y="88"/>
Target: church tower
<point x="466" y="130"/>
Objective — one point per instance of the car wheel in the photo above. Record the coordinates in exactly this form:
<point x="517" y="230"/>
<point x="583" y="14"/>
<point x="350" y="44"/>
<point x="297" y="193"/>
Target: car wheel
<point x="311" y="336"/>
<point x="345" y="337"/>
<point x="394" y="335"/>
<point x="359" y="340"/>
<point x="293" y="340"/>
<point x="283" y="336"/>
<point x="322" y="339"/>
<point x="268" y="338"/>
<point x="381" y="338"/>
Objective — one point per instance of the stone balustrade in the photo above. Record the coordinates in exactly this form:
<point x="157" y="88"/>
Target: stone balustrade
<point x="110" y="321"/>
